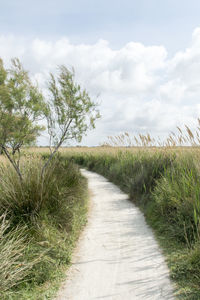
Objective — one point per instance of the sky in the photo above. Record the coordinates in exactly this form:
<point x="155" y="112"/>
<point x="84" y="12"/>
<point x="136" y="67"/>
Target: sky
<point x="139" y="59"/>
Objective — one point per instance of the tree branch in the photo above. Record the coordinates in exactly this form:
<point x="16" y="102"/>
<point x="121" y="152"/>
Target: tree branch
<point x="56" y="148"/>
<point x="12" y="162"/>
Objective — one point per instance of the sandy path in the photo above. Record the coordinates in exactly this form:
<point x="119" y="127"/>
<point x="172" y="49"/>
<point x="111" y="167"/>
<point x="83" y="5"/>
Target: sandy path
<point x="117" y="257"/>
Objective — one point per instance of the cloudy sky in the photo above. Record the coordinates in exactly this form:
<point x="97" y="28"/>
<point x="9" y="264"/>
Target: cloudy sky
<point x="139" y="58"/>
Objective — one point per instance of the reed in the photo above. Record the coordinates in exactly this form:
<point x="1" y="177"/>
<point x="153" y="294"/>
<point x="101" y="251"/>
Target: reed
<point x="165" y="183"/>
<point x="181" y="137"/>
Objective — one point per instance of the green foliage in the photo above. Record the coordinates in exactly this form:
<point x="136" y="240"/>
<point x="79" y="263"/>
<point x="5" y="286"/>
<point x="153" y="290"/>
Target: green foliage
<point x="166" y="187"/>
<point x="71" y="111"/>
<point x="21" y="106"/>
<point x="177" y="197"/>
<point x="136" y="174"/>
<point x="25" y="202"/>
<point x="45" y="218"/>
<point x="13" y="265"/>
<point x="48" y="196"/>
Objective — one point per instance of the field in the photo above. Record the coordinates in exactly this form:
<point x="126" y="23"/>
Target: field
<point x="163" y="182"/>
<point x="40" y="221"/>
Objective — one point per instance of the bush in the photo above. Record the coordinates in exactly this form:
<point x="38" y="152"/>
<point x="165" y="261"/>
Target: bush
<point x="24" y="202"/>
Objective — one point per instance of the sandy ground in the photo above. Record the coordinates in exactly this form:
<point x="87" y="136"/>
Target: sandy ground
<point x="117" y="257"/>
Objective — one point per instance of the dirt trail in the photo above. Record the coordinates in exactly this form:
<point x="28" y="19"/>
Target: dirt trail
<point x="117" y="257"/>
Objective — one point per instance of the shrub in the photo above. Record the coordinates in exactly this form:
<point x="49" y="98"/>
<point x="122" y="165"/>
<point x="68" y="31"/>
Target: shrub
<point x="24" y="202"/>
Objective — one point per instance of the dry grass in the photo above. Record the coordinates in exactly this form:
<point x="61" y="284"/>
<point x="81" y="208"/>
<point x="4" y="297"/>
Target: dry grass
<point x="3" y="159"/>
<point x="181" y="138"/>
<point x="164" y="182"/>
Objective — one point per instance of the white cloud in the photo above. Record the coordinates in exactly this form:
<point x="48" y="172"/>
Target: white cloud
<point x="140" y="88"/>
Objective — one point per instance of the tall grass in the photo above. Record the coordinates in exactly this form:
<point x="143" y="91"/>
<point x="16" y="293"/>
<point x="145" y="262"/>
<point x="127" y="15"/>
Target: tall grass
<point x="181" y="137"/>
<point x="165" y="184"/>
<point x="41" y="220"/>
<point x="13" y="265"/>
<point x="177" y="198"/>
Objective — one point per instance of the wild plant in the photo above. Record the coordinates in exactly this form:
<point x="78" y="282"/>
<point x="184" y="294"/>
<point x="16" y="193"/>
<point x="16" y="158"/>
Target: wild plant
<point x="14" y="267"/>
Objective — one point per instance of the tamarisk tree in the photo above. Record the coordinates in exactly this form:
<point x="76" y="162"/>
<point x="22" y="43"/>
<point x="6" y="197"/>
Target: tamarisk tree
<point x="68" y="110"/>
<point x="71" y="112"/>
<point x="21" y="107"/>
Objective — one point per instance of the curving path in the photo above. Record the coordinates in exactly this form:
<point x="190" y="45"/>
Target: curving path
<point x="117" y="257"/>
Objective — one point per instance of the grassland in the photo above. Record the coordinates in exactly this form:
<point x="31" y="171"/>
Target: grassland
<point x="162" y="181"/>
<point x="40" y="221"/>
<point x="165" y="184"/>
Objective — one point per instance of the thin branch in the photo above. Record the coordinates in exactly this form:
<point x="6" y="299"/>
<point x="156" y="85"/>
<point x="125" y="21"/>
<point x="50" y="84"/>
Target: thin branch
<point x="56" y="148"/>
<point x="12" y="162"/>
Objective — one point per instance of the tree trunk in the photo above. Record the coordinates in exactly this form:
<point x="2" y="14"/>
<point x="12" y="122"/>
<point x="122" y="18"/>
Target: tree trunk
<point x="13" y="163"/>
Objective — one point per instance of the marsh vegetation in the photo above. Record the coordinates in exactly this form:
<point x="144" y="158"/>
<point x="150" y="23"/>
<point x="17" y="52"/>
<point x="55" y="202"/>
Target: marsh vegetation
<point x="43" y="199"/>
<point x="164" y="182"/>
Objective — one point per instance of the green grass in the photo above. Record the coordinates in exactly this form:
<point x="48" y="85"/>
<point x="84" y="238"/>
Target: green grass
<point x="40" y="223"/>
<point x="166" y="187"/>
<point x="43" y="219"/>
